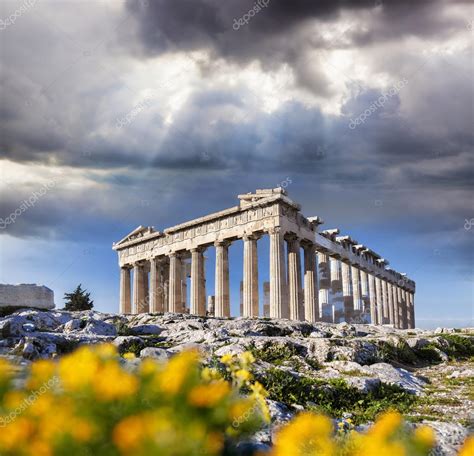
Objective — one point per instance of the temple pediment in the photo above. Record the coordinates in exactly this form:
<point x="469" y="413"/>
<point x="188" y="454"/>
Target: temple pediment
<point x="137" y="233"/>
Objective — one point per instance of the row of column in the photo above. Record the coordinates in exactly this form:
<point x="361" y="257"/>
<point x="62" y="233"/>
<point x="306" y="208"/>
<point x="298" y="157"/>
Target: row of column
<point x="294" y="294"/>
<point x="362" y="292"/>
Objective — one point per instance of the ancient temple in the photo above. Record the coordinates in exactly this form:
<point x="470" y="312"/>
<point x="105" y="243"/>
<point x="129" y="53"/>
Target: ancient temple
<point x="341" y="280"/>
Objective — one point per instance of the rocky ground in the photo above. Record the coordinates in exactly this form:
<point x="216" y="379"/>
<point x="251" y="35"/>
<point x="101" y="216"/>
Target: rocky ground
<point x="351" y="372"/>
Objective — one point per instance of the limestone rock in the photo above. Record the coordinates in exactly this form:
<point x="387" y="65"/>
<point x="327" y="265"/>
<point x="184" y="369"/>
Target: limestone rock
<point x="159" y="354"/>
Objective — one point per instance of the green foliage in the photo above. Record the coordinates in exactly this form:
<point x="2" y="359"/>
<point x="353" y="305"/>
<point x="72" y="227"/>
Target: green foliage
<point x="274" y="354"/>
<point x="459" y="347"/>
<point x="335" y="397"/>
<point x="122" y="328"/>
<point x="79" y="299"/>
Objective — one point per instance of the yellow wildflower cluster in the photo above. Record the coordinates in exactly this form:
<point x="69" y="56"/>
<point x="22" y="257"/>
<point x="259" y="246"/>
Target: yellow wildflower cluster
<point x="312" y="435"/>
<point x="91" y="402"/>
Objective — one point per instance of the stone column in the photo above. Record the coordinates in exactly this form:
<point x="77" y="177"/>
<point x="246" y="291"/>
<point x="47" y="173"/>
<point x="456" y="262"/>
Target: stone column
<point x="336" y="286"/>
<point x="379" y="301"/>
<point x="407" y="303"/>
<point x="346" y="291"/>
<point x="311" y="307"/>
<point x="146" y="299"/>
<point x="364" y="291"/>
<point x="175" y="300"/>
<point x="411" y="297"/>
<point x="125" y="303"/>
<point x="222" y="301"/>
<point x="138" y="288"/>
<point x="197" y="306"/>
<point x="391" y="318"/>
<point x="400" y="308"/>
<point x="372" y="299"/>
<point x="250" y="277"/>
<point x="384" y="301"/>
<point x="396" y="321"/>
<point x="294" y="279"/>
<point x="278" y="287"/>
<point x="166" y="284"/>
<point x="156" y="287"/>
<point x="356" y="295"/>
<point x="324" y="285"/>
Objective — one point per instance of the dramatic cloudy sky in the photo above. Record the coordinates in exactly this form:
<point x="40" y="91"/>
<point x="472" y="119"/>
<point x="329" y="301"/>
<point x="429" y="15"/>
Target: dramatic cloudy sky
<point x="154" y="112"/>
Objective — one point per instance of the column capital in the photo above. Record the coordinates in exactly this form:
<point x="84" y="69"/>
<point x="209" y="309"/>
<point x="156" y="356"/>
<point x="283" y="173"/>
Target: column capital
<point x="251" y="237"/>
<point x="199" y="249"/>
<point x="222" y="243"/>
<point x="276" y="230"/>
<point x="291" y="237"/>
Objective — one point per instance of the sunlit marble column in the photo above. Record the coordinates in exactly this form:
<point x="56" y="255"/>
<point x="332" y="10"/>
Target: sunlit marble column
<point x="250" y="278"/>
<point x="156" y="286"/>
<point x="175" y="298"/>
<point x="364" y="291"/>
<point x="311" y="308"/>
<point x="324" y="275"/>
<point x="411" y="297"/>
<point x="222" y="301"/>
<point x="336" y="286"/>
<point x="384" y="301"/>
<point x="379" y="300"/>
<point x="346" y="291"/>
<point x="197" y="305"/>
<point x="401" y="316"/>
<point x="372" y="300"/>
<point x="356" y="292"/>
<point x="294" y="279"/>
<point x="407" y="301"/>
<point x="391" y="319"/>
<point x="396" y="321"/>
<point x="138" y="288"/>
<point x="125" y="301"/>
<point x="278" y="286"/>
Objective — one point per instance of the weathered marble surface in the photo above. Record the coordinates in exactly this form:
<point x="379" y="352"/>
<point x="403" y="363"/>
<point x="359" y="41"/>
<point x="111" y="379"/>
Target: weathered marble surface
<point x="26" y="295"/>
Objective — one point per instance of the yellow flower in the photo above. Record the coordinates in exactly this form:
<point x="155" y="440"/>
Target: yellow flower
<point x="468" y="447"/>
<point x="81" y="430"/>
<point x="78" y="370"/>
<point x="208" y="395"/>
<point x="242" y="375"/>
<point x="386" y="425"/>
<point x="148" y="367"/>
<point x="6" y="370"/>
<point x="112" y="382"/>
<point x="308" y="434"/>
<point x="425" y="436"/>
<point x="40" y="448"/>
<point x="208" y="374"/>
<point x="128" y="434"/>
<point x="175" y="373"/>
<point x="227" y="359"/>
<point x="106" y="350"/>
<point x="15" y="434"/>
<point x="129" y="355"/>
<point x="13" y="399"/>
<point x="247" y="358"/>
<point x="41" y="371"/>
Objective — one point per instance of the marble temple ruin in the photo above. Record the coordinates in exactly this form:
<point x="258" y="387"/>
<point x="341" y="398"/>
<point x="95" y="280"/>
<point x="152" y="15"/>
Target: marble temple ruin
<point x="338" y="279"/>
